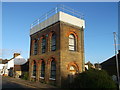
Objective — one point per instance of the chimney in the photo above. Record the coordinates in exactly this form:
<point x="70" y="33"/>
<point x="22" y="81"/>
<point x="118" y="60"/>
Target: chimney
<point x="16" y="54"/>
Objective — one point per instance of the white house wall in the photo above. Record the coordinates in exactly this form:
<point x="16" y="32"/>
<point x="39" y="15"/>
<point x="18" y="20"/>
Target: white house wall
<point x="10" y="64"/>
<point x="1" y="66"/>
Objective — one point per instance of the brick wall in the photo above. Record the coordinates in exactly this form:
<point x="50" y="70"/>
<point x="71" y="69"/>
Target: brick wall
<point x="63" y="57"/>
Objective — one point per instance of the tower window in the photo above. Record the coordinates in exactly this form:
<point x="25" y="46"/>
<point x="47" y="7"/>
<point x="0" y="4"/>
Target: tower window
<point x="34" y="69"/>
<point x="53" y="42"/>
<point x="53" y="69"/>
<point x="43" y="69"/>
<point x="35" y="47"/>
<point x="72" y="43"/>
<point x="43" y="45"/>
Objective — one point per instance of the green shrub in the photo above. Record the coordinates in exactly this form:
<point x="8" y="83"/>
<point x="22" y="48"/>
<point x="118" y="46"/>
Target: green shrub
<point x="25" y="76"/>
<point x="93" y="79"/>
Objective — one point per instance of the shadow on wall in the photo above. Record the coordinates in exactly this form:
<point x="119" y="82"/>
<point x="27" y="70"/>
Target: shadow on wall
<point x="67" y="81"/>
<point x="10" y="72"/>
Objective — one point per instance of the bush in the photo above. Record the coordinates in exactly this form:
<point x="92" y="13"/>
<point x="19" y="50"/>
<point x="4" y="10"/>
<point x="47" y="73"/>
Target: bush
<point x="93" y="79"/>
<point x="25" y="76"/>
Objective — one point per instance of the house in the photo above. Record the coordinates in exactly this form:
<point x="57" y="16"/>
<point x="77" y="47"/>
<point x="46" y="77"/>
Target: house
<point x="3" y="67"/>
<point x="89" y="65"/>
<point x="109" y="65"/>
<point x="14" y="66"/>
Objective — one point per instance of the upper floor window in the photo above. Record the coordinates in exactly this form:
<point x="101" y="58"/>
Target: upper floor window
<point x="43" y="45"/>
<point x="35" y="47"/>
<point x="43" y="69"/>
<point x="72" y="43"/>
<point x="53" y="42"/>
<point x="53" y="69"/>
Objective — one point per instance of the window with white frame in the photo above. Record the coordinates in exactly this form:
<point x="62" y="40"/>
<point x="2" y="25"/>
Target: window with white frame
<point x="53" y="42"/>
<point x="72" y="43"/>
<point x="43" y="69"/>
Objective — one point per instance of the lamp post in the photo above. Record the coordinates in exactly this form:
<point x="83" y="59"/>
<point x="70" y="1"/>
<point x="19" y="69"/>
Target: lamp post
<point x="117" y="66"/>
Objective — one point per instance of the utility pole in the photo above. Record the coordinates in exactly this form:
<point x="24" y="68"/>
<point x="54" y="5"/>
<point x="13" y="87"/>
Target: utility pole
<point x="117" y="66"/>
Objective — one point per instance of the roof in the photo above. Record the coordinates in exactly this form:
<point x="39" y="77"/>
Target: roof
<point x="88" y="63"/>
<point x="111" y="60"/>
<point x="19" y="60"/>
<point x="3" y="61"/>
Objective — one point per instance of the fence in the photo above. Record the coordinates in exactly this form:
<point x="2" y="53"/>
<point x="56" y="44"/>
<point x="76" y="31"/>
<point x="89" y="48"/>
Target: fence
<point x="55" y="10"/>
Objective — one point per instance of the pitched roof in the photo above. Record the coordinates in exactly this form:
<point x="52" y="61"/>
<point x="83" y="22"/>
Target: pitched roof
<point x="19" y="60"/>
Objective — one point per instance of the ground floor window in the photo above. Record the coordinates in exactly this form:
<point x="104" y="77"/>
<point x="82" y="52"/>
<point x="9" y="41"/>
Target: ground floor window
<point x="34" y="69"/>
<point x="43" y="69"/>
<point x="53" y="69"/>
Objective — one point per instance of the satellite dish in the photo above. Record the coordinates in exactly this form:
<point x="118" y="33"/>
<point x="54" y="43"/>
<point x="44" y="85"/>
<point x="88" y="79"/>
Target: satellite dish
<point x="19" y="60"/>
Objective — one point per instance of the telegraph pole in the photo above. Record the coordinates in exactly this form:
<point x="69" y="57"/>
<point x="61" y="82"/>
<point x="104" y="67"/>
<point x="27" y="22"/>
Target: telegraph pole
<point x="117" y="66"/>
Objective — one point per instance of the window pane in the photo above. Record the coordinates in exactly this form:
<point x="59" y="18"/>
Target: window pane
<point x="53" y="42"/>
<point x="53" y="48"/>
<point x="71" y="42"/>
<point x="34" y="69"/>
<point x="43" y="69"/>
<point x="43" y="45"/>
<point x="53" y="69"/>
<point x="35" y="47"/>
<point x="71" y="48"/>
<point x="72" y="45"/>
<point x="72" y="68"/>
<point x="71" y="36"/>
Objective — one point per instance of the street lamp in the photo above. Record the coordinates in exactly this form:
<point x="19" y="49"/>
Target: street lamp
<point x="117" y="66"/>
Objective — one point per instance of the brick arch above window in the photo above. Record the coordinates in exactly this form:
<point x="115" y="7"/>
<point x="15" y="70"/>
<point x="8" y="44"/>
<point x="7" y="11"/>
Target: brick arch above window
<point x="51" y="59"/>
<point x="51" y="33"/>
<point x="71" y="32"/>
<point x="35" y="61"/>
<point x="41" y="60"/>
<point x="74" y="64"/>
<point x="43" y="36"/>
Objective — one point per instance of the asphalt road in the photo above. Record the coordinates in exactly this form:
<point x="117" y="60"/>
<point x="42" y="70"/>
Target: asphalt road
<point x="7" y="84"/>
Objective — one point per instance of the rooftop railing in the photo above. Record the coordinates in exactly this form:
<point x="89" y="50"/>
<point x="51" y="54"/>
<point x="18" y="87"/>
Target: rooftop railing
<point x="55" y="10"/>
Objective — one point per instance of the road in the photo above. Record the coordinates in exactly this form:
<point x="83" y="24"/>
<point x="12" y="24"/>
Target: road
<point x="9" y="84"/>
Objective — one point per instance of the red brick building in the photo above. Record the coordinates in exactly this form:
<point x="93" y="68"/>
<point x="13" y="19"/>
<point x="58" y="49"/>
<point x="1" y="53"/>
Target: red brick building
<point x="56" y="48"/>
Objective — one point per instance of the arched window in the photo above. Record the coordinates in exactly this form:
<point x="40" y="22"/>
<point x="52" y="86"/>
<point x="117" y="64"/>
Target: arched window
<point x="53" y="42"/>
<point x="53" y="69"/>
<point x="72" y="43"/>
<point x="43" y="45"/>
<point x="72" y="70"/>
<point x="35" y="47"/>
<point x="43" y="69"/>
<point x="34" y="69"/>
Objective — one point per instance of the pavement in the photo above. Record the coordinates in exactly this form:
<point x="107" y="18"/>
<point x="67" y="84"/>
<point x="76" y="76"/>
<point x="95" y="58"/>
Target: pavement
<point x="26" y="83"/>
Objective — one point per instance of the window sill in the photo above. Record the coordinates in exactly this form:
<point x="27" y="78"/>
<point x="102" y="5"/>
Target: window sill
<point x="52" y="79"/>
<point x="33" y="76"/>
<point x="42" y="77"/>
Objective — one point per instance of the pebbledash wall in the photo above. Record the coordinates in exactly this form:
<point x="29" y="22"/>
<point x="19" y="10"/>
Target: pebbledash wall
<point x="67" y="53"/>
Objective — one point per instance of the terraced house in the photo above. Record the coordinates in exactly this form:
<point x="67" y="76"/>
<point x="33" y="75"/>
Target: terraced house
<point x="57" y="46"/>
